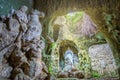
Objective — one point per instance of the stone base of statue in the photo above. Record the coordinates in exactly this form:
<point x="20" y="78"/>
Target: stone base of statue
<point x="71" y="74"/>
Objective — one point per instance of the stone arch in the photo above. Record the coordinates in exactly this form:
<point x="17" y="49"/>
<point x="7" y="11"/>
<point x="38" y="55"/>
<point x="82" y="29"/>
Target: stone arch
<point x="70" y="43"/>
<point x="95" y="9"/>
<point x="63" y="47"/>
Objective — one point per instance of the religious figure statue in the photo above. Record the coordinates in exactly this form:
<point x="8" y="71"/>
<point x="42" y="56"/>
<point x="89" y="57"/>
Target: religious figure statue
<point x="68" y="60"/>
<point x="71" y="63"/>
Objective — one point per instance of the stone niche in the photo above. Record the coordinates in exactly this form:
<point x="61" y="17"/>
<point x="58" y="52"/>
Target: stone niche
<point x="59" y="53"/>
<point x="66" y="45"/>
<point x="102" y="59"/>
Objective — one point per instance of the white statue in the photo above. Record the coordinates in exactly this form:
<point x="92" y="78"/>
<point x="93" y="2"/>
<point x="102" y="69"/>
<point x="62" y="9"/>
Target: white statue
<point x="75" y="60"/>
<point x="68" y="57"/>
<point x="68" y="60"/>
<point x="71" y="60"/>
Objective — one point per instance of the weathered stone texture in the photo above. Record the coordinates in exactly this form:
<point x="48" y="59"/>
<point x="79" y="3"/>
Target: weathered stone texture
<point x="102" y="59"/>
<point x="21" y="46"/>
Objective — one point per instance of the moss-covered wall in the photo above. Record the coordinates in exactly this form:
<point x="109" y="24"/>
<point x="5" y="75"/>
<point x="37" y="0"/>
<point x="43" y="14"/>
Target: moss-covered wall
<point x="96" y="9"/>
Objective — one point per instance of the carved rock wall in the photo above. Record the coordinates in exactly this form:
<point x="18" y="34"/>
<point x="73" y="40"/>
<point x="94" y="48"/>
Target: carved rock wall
<point x="102" y="59"/>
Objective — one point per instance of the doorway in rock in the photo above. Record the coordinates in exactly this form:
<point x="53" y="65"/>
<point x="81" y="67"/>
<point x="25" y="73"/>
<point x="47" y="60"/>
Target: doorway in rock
<point x="76" y="33"/>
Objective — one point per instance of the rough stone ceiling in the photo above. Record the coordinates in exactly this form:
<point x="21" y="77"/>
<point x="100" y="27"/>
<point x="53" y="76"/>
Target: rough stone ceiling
<point x="50" y="6"/>
<point x="94" y="8"/>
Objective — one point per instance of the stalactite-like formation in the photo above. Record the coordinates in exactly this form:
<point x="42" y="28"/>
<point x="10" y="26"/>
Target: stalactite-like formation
<point x="21" y="46"/>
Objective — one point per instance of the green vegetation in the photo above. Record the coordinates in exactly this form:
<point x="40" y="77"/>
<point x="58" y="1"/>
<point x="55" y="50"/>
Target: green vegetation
<point x="72" y="18"/>
<point x="95" y="74"/>
<point x="105" y="15"/>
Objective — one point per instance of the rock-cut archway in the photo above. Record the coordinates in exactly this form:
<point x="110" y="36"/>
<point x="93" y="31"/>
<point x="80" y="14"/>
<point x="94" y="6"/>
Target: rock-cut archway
<point x="64" y="46"/>
<point x="75" y="31"/>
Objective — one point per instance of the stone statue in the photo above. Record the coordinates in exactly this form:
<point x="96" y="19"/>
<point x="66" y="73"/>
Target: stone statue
<point x="70" y="70"/>
<point x="68" y="60"/>
<point x="75" y="60"/>
<point x="68" y="57"/>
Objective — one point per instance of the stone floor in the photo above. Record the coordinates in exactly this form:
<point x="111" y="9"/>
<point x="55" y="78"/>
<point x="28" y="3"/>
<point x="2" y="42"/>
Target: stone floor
<point x="88" y="79"/>
<point x="78" y="79"/>
<point x="103" y="79"/>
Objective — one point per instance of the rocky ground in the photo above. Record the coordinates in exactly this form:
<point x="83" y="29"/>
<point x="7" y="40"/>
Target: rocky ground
<point x="104" y="79"/>
<point x="88" y="79"/>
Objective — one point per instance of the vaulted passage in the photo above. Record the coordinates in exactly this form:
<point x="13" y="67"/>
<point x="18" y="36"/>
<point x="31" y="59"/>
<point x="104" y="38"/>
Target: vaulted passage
<point x="79" y="45"/>
<point x="59" y="39"/>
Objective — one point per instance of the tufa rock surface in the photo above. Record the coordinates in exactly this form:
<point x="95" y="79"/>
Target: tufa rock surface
<point x="21" y="46"/>
<point x="102" y="59"/>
